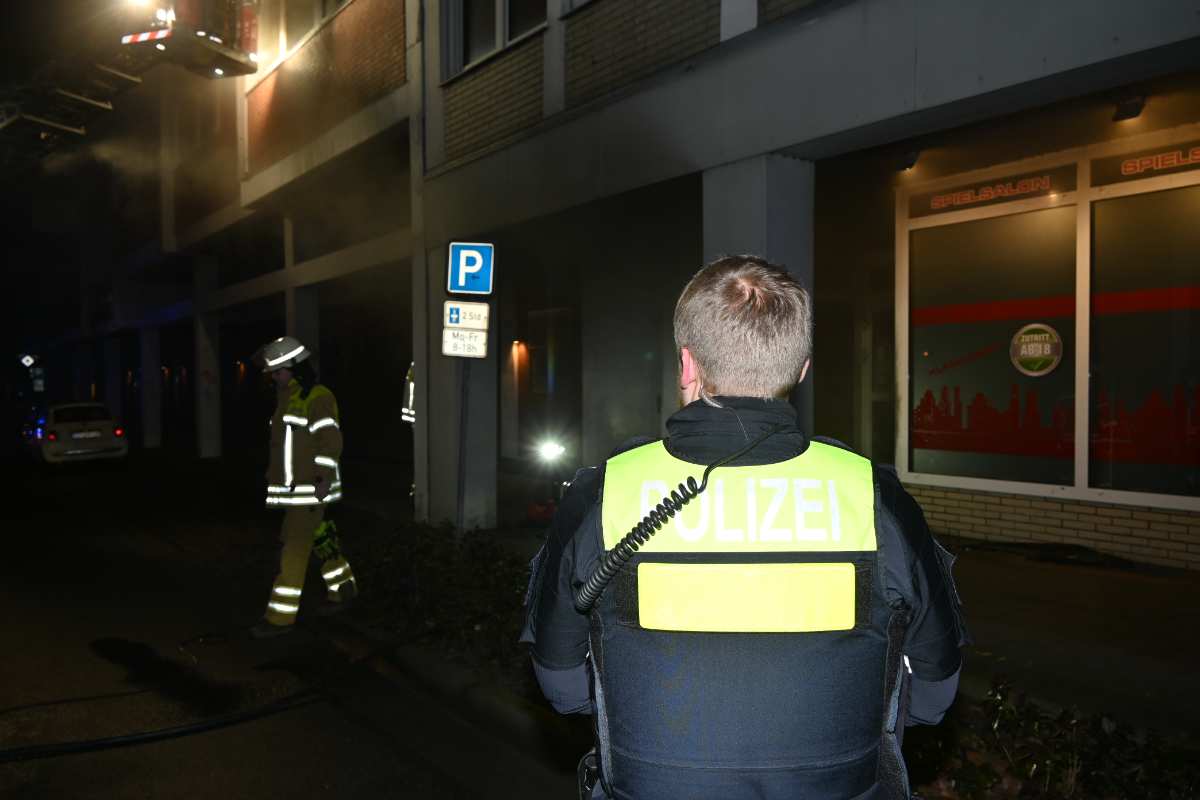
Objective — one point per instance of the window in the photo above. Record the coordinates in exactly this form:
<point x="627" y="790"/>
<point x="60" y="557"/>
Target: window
<point x="991" y="343"/>
<point x="524" y="16"/>
<point x="477" y="28"/>
<point x="1145" y="353"/>
<point x="995" y="272"/>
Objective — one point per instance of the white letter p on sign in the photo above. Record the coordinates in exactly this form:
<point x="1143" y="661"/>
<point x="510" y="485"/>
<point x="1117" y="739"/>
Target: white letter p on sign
<point x="469" y="262"/>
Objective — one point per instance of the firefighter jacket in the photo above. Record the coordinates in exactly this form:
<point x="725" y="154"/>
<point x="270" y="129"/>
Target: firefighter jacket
<point x="306" y="443"/>
<point x="763" y="642"/>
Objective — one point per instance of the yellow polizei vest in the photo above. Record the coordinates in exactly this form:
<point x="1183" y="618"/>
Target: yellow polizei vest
<point x="752" y="552"/>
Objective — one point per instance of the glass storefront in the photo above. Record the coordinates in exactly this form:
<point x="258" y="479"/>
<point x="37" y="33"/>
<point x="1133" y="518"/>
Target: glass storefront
<point x="1145" y="355"/>
<point x="974" y="286"/>
<point x="994" y="270"/>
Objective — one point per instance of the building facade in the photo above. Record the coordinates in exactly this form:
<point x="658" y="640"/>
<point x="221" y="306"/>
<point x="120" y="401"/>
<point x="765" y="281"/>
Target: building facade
<point x="993" y="203"/>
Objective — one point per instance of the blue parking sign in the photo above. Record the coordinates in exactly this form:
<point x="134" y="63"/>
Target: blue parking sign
<point x="470" y="268"/>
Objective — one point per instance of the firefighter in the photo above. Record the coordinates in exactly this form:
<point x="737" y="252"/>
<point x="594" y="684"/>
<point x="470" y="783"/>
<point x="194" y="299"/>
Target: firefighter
<point x="773" y="637"/>
<point x="302" y="479"/>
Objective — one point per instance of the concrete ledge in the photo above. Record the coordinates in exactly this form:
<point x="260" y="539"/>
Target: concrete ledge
<point x="392" y="247"/>
<point x="373" y="120"/>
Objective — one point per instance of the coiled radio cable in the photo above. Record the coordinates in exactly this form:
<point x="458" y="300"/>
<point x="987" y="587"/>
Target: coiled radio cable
<point x="670" y="505"/>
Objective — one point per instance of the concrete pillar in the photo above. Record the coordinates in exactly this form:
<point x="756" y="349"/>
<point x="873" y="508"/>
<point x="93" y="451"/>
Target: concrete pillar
<point x="206" y="328"/>
<point x="415" y="60"/>
<point x="304" y="317"/>
<point x="764" y="205"/>
<point x="168" y="156"/>
<point x="554" y="60"/>
<point x="434" y="136"/>
<point x="513" y="358"/>
<point x="301" y="303"/>
<point x="152" y="388"/>
<point x="738" y="17"/>
<point x="114" y="378"/>
<point x="462" y="421"/>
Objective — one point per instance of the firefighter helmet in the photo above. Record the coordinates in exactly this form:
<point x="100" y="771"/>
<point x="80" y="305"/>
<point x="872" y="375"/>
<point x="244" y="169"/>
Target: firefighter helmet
<point x="283" y="353"/>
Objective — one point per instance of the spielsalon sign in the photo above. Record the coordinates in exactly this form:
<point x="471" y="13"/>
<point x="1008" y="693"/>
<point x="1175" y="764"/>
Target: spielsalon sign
<point x="1055" y="180"/>
<point x="1146" y="163"/>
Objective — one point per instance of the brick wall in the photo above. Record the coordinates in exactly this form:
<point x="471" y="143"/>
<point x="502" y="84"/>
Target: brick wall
<point x="1150" y="535"/>
<point x="357" y="58"/>
<point x="771" y="10"/>
<point x="494" y="100"/>
<point x="611" y="43"/>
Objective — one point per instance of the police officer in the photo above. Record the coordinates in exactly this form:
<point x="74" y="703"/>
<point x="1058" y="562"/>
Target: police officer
<point x="302" y="479"/>
<point x="775" y="636"/>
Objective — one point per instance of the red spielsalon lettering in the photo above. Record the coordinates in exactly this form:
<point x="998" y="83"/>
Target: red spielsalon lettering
<point x="1168" y="160"/>
<point x="982" y="194"/>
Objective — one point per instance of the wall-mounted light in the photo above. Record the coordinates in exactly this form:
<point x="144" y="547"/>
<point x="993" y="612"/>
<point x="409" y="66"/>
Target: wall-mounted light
<point x="1129" y="107"/>
<point x="160" y="46"/>
<point x="908" y="160"/>
<point x="218" y="71"/>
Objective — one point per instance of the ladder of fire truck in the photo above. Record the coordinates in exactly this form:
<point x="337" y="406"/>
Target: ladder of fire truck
<point x="57" y="107"/>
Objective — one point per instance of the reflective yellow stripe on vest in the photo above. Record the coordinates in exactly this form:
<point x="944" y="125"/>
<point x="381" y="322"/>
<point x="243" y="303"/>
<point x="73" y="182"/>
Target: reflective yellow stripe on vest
<point x="819" y="502"/>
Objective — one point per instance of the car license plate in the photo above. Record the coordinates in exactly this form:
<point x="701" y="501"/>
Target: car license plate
<point x="86" y="435"/>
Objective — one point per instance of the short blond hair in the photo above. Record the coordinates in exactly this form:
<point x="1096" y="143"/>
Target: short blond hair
<point x="748" y="325"/>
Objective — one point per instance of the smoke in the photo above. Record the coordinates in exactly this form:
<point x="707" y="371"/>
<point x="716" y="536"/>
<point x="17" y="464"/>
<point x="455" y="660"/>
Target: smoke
<point x="129" y="158"/>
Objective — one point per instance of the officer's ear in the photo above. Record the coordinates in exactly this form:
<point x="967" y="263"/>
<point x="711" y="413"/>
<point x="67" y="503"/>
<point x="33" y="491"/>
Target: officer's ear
<point x="690" y="381"/>
<point x="689" y="372"/>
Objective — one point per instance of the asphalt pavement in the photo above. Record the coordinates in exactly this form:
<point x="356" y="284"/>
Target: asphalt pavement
<point x="126" y="591"/>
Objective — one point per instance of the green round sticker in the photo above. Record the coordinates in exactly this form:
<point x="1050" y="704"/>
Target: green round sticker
<point x="1036" y="350"/>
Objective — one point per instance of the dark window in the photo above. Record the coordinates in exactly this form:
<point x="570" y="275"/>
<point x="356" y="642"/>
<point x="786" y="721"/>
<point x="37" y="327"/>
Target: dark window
<point x="1145" y="362"/>
<point x="479" y="29"/>
<point x="983" y="295"/>
<point x="524" y="16"/>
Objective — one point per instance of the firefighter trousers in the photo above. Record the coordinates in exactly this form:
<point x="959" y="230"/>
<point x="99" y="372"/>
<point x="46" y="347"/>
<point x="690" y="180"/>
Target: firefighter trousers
<point x="300" y="527"/>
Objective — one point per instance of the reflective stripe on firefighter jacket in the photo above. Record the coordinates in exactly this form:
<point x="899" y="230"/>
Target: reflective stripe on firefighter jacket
<point x="749" y="639"/>
<point x="306" y="443"/>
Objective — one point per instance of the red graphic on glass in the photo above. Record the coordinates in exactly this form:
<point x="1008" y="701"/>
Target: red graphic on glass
<point x="1157" y="432"/>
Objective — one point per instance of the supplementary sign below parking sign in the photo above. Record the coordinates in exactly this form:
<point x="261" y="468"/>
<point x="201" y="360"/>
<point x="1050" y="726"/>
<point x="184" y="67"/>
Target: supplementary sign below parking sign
<point x="464" y="343"/>
<point x="457" y="314"/>
<point x="470" y="268"/>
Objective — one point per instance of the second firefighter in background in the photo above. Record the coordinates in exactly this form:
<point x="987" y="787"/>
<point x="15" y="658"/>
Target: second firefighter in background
<point x="303" y="477"/>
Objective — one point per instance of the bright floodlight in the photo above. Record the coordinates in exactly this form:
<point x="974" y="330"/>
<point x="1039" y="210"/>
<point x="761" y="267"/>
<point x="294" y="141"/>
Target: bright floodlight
<point x="550" y="450"/>
<point x="27" y="361"/>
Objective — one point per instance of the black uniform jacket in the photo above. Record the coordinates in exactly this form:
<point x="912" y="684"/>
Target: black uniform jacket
<point x="914" y="571"/>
